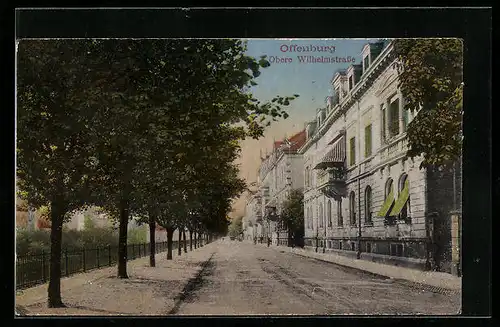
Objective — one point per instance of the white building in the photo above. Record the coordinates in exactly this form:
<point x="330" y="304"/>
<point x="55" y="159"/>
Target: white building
<point x="362" y="196"/>
<point x="253" y="216"/>
<point x="280" y="172"/>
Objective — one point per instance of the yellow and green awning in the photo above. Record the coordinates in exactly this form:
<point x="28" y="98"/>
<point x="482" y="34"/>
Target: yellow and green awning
<point x="387" y="205"/>
<point x="401" y="201"/>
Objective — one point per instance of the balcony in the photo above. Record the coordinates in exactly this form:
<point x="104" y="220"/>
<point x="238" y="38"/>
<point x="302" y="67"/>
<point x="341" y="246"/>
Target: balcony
<point x="396" y="147"/>
<point x="333" y="182"/>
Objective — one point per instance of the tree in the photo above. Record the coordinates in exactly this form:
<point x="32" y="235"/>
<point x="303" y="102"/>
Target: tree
<point x="95" y="106"/>
<point x="292" y="215"/>
<point x="53" y="150"/>
<point x="430" y="78"/>
<point x="236" y="227"/>
<point x="88" y="223"/>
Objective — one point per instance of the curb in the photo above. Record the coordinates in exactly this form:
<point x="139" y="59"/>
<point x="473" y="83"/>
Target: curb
<point x="409" y="283"/>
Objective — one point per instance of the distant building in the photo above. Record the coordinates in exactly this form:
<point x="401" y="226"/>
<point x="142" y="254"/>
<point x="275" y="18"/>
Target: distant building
<point x="279" y="173"/>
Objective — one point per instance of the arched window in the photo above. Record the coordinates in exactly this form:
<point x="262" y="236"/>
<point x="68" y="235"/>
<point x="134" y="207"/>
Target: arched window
<point x="340" y="219"/>
<point x="404" y="214"/>
<point x="388" y="187"/>
<point x="352" y="208"/>
<point x="368" y="205"/>
<point x="320" y="218"/>
<point x="329" y="213"/>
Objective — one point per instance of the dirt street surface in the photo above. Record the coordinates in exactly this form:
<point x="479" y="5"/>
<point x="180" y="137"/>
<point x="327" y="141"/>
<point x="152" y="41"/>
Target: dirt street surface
<point x="245" y="279"/>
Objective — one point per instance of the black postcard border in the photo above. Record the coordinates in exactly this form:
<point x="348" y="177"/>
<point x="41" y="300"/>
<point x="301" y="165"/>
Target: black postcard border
<point x="473" y="25"/>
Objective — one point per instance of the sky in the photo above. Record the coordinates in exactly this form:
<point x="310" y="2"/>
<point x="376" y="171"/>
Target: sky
<point x="290" y="76"/>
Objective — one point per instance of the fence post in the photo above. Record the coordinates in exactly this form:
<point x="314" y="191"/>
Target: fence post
<point x="66" y="261"/>
<point x="43" y="266"/>
<point x="83" y="256"/>
<point x="98" y="255"/>
<point x="109" y="255"/>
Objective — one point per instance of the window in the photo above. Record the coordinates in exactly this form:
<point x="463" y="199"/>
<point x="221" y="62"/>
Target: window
<point x="384" y="124"/>
<point x="336" y="96"/>
<point x="366" y="62"/>
<point x="352" y="208"/>
<point x="320" y="215"/>
<point x="340" y="219"/>
<point x="368" y="141"/>
<point x="329" y="213"/>
<point x="389" y="220"/>
<point x="352" y="151"/>
<point x="307" y="176"/>
<point x="388" y="187"/>
<point x="350" y="83"/>
<point x="397" y="249"/>
<point x="368" y="205"/>
<point x="394" y="118"/>
<point x="404" y="214"/>
<point x="405" y="119"/>
<point x="368" y="247"/>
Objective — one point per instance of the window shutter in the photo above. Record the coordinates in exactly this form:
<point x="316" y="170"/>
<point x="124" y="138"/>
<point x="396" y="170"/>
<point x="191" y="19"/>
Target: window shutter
<point x="368" y="141"/>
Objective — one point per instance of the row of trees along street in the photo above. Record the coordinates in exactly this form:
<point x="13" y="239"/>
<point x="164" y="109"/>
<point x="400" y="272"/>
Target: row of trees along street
<point x="140" y="128"/>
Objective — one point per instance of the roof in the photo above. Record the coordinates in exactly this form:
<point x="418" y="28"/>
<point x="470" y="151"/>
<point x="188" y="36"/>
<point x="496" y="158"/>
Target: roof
<point x="298" y="140"/>
<point x="277" y="144"/>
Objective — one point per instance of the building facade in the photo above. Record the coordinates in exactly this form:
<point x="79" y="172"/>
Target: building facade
<point x="280" y="172"/>
<point x="363" y="197"/>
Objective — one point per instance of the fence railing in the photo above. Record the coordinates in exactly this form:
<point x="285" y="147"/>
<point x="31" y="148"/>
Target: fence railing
<point x="34" y="269"/>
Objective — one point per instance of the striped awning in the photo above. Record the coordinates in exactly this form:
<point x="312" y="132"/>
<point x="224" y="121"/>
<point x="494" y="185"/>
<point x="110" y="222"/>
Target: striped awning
<point x="335" y="156"/>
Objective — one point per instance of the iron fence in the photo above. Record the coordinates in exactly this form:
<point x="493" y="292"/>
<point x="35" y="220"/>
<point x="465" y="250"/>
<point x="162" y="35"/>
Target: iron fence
<point x="34" y="269"/>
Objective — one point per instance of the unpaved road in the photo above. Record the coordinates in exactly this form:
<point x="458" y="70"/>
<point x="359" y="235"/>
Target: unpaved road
<point x="245" y="279"/>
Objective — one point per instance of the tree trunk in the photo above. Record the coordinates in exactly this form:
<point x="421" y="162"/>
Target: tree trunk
<point x="170" y="235"/>
<point x="195" y="235"/>
<point x="190" y="240"/>
<point x="179" y="243"/>
<point x="54" y="290"/>
<point x="152" y="240"/>
<point x="122" y="240"/>
<point x="184" y="241"/>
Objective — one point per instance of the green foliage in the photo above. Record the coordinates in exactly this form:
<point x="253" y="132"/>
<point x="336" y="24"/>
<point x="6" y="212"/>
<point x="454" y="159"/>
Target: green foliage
<point x="52" y="147"/>
<point x="293" y="211"/>
<point x="28" y="241"/>
<point x="236" y="227"/>
<point x="430" y="78"/>
<point x="88" y="222"/>
<point x="138" y="127"/>
<point x="137" y="235"/>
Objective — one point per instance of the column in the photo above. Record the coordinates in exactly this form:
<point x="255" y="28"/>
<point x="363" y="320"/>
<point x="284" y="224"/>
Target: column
<point x="387" y="116"/>
<point x="401" y="106"/>
<point x="455" y="243"/>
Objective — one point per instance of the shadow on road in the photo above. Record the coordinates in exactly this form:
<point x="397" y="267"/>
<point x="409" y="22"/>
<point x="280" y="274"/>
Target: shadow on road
<point x="194" y="284"/>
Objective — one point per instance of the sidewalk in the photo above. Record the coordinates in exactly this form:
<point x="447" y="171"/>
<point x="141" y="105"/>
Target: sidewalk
<point x="147" y="291"/>
<point x="429" y="278"/>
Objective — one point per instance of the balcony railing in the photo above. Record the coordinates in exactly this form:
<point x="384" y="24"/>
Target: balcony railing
<point x="332" y="183"/>
<point x="394" y="148"/>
